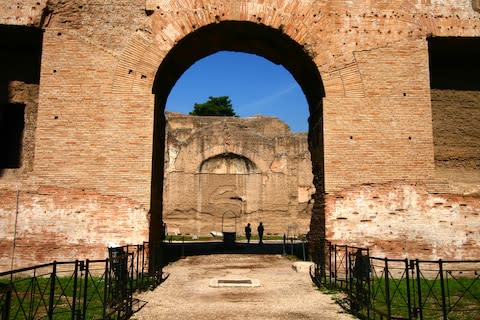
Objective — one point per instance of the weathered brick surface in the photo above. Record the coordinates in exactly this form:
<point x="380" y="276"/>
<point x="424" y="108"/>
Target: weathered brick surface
<point x="54" y="223"/>
<point x="405" y="220"/>
<point x="95" y="122"/>
<point x="275" y="188"/>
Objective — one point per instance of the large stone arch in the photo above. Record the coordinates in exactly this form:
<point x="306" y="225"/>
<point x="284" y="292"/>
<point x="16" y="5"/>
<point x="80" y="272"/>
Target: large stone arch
<point x="340" y="38"/>
<point x="310" y="28"/>
<point x="244" y="36"/>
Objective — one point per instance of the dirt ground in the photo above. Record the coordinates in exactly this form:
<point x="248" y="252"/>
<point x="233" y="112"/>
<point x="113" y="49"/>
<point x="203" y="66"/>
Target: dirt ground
<point x="283" y="293"/>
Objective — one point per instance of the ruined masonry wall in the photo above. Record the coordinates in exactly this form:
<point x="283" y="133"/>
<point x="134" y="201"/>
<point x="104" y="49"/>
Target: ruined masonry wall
<point x="277" y="191"/>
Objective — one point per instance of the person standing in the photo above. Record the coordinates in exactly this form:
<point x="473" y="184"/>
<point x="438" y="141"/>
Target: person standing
<point x="248" y="232"/>
<point x="260" y="233"/>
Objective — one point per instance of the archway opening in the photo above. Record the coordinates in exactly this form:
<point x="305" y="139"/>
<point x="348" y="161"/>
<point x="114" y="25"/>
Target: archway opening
<point x="272" y="44"/>
<point x="254" y="85"/>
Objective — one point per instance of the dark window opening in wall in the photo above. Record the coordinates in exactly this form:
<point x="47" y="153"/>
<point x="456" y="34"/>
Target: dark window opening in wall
<point x="20" y="56"/>
<point x="11" y="133"/>
<point x="455" y="93"/>
<point x="454" y="63"/>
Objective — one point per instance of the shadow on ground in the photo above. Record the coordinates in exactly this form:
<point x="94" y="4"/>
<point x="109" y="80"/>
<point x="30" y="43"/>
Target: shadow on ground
<point x="176" y="250"/>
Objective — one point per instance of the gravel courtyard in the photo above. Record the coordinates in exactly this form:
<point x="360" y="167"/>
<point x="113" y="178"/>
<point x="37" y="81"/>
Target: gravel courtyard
<point x="283" y="293"/>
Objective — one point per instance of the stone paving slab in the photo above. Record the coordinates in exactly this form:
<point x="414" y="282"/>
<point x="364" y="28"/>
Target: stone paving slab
<point x="283" y="293"/>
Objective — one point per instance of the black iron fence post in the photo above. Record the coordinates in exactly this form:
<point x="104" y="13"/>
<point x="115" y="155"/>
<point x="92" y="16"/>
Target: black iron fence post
<point x="349" y="281"/>
<point x="8" y="300"/>
<point x="369" y="286"/>
<point x="409" y="300"/>
<point x="51" y="296"/>
<point x="85" y="290"/>
<point x="137" y="271"/>
<point x="74" y="290"/>
<point x="106" y="287"/>
<point x="387" y="290"/>
<point x="414" y="299"/>
<point x="81" y="282"/>
<point x="129" y="292"/>
<point x="143" y="266"/>
<point x="32" y="294"/>
<point x="335" y="263"/>
<point x="347" y="267"/>
<point x="329" y="255"/>
<point x="419" y="289"/>
<point x="442" y="286"/>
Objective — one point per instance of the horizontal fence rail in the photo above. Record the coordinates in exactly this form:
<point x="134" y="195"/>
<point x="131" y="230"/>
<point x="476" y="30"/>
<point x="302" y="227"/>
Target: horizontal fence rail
<point x="382" y="288"/>
<point x="77" y="290"/>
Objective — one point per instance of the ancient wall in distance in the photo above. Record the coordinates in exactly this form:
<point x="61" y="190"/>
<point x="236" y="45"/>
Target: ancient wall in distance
<point x="254" y="168"/>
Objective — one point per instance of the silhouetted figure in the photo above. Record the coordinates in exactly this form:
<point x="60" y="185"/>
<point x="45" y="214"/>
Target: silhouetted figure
<point x="163" y="232"/>
<point x="248" y="232"/>
<point x="260" y="233"/>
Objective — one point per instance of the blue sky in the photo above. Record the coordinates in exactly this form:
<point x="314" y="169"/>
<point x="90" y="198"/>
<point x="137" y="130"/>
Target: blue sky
<point x="255" y="86"/>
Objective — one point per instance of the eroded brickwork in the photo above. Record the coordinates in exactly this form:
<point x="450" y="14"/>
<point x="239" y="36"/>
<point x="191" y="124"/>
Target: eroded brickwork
<point x="405" y="220"/>
<point x="206" y="175"/>
<point x="54" y="223"/>
<point x="364" y="69"/>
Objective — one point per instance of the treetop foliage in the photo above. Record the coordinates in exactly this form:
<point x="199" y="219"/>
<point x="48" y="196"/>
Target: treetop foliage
<point x="214" y="106"/>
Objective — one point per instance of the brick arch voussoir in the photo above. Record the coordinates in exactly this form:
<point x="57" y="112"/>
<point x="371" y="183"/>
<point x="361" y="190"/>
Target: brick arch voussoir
<point x="138" y="64"/>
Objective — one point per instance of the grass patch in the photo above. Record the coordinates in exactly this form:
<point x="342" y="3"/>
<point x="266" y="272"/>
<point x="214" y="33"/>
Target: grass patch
<point x="31" y="297"/>
<point x="462" y="297"/>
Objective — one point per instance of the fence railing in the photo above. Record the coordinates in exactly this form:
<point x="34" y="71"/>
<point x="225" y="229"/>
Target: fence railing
<point x="382" y="288"/>
<point x="77" y="290"/>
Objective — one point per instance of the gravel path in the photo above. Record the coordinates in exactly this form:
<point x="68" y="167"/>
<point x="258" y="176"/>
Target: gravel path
<point x="283" y="293"/>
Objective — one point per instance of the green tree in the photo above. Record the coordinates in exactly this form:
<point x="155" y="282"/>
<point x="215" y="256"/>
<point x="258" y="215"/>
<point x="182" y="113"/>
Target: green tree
<point x="215" y="106"/>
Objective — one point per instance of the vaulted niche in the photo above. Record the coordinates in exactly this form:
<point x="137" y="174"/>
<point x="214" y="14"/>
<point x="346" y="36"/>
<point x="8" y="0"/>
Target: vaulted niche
<point x="227" y="163"/>
<point x="455" y="93"/>
<point x="247" y="37"/>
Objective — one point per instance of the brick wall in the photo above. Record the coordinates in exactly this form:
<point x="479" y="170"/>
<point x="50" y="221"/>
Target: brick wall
<point x="95" y="125"/>
<point x="65" y="224"/>
<point x="405" y="220"/>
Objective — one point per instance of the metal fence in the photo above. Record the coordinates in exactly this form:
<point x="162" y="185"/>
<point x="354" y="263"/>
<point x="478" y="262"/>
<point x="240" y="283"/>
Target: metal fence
<point x="90" y="289"/>
<point x="382" y="288"/>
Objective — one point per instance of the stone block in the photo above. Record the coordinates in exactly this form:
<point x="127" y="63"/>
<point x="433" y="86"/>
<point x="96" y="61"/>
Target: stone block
<point x="302" y="266"/>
